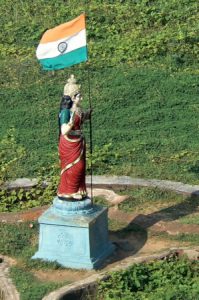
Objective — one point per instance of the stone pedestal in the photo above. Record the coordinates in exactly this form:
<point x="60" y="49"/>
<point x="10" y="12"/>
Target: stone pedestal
<point x="75" y="234"/>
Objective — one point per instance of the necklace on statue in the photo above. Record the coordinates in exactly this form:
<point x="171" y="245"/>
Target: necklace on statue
<point x="78" y="111"/>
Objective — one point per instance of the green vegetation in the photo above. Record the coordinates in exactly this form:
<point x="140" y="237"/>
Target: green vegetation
<point x="22" y="199"/>
<point x="14" y="238"/>
<point x="166" y="280"/>
<point x="30" y="287"/>
<point x="20" y="242"/>
<point x="143" y="64"/>
<point x="99" y="200"/>
<point x="150" y="136"/>
<point x="193" y="219"/>
<point x="142" y="198"/>
<point x="10" y="154"/>
<point x="191" y="239"/>
<point x="162" y="205"/>
<point x="144" y="85"/>
<point x="126" y="31"/>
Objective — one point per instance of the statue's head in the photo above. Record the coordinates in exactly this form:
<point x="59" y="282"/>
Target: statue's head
<point x="72" y="88"/>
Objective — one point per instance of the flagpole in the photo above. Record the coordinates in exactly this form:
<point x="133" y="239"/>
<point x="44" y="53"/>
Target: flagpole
<point x="90" y="119"/>
<point x="91" y="133"/>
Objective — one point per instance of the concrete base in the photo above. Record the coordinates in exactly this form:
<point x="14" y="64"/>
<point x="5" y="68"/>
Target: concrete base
<point x="75" y="240"/>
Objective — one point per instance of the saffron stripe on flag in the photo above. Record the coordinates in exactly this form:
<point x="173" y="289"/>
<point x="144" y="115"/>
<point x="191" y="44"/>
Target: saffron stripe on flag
<point x="64" y="30"/>
<point x="65" y="60"/>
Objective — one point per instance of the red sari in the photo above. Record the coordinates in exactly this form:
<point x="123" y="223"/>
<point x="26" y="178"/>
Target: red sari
<point x="73" y="162"/>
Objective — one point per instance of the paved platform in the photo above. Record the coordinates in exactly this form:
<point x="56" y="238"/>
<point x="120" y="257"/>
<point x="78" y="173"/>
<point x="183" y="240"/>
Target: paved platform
<point x="117" y="181"/>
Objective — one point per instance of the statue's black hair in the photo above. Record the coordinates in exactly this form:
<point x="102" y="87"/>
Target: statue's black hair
<point x="66" y="102"/>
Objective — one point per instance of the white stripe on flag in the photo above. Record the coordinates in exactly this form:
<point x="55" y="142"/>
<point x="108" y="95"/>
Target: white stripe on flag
<point x="49" y="50"/>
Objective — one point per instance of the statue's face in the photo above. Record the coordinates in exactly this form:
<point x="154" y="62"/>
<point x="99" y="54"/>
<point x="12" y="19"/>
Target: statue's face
<point x="77" y="99"/>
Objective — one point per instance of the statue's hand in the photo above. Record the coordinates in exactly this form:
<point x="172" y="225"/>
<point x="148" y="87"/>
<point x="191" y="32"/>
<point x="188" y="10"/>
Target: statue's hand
<point x="90" y="112"/>
<point x="87" y="114"/>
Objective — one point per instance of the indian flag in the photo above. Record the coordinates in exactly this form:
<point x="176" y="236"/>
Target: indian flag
<point x="63" y="45"/>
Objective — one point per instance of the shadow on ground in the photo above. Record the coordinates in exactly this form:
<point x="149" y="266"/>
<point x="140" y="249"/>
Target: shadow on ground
<point x="131" y="239"/>
<point x="171" y="213"/>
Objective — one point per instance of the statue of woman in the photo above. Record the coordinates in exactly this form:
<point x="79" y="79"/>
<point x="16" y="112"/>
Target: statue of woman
<point x="72" y="144"/>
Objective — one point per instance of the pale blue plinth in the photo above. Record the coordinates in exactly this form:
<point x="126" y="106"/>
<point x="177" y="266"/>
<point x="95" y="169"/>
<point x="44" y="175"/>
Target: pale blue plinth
<point x="75" y="234"/>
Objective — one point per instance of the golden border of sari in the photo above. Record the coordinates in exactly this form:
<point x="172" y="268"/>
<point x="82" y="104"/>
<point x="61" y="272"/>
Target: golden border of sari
<point x="74" y="162"/>
<point x="73" y="140"/>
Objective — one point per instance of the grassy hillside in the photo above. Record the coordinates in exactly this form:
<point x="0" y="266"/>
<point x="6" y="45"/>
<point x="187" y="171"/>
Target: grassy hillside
<point x="144" y="84"/>
<point x="127" y="31"/>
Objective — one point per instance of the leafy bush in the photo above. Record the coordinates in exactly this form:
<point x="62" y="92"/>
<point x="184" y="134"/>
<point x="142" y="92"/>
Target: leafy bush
<point x="21" y="199"/>
<point x="166" y="280"/>
<point x="102" y="159"/>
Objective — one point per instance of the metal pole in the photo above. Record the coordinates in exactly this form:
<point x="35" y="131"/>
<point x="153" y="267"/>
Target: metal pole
<point x="87" y="2"/>
<point x="91" y="133"/>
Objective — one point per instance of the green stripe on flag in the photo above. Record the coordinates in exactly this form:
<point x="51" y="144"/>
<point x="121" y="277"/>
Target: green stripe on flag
<point x="65" y="60"/>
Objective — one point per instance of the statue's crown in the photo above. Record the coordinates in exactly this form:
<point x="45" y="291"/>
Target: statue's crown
<point x="71" y="87"/>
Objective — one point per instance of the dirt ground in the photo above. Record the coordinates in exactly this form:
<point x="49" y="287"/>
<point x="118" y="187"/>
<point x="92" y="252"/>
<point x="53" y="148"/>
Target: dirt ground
<point x="133" y="235"/>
